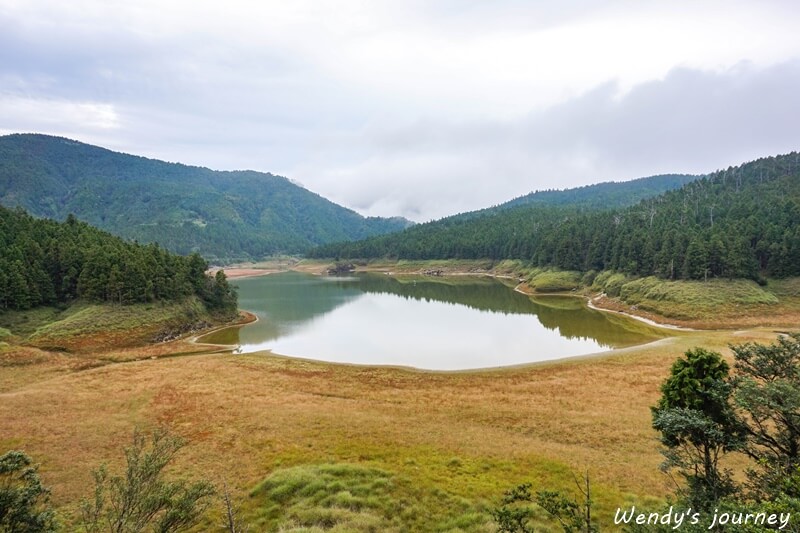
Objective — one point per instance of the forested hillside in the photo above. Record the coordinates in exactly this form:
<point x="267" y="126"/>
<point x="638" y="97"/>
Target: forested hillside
<point x="225" y="216"/>
<point x="604" y="195"/>
<point x="43" y="262"/>
<point x="740" y="222"/>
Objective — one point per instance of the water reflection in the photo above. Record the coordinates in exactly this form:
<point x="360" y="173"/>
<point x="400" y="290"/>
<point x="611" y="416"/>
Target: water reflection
<point x="432" y="323"/>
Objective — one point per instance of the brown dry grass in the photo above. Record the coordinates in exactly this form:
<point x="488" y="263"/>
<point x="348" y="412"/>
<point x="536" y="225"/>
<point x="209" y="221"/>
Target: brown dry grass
<point x="244" y="416"/>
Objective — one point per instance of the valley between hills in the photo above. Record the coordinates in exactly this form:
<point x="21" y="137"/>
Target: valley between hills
<point x="444" y="445"/>
<point x="99" y="335"/>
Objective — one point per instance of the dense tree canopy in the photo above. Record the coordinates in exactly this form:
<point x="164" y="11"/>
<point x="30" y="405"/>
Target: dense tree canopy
<point x="603" y="195"/>
<point x="737" y="223"/>
<point x="705" y="413"/>
<point x="698" y="424"/>
<point x="768" y="391"/>
<point x="43" y="262"/>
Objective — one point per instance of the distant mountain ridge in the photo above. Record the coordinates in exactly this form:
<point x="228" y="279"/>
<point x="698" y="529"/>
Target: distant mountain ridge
<point x="604" y="195"/>
<point x="223" y="215"/>
<point x="741" y="222"/>
<point x="494" y="232"/>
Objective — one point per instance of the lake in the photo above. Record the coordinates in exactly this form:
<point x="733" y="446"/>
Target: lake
<point x="454" y="323"/>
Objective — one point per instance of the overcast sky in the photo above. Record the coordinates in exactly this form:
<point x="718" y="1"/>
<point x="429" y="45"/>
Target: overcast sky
<point x="419" y="108"/>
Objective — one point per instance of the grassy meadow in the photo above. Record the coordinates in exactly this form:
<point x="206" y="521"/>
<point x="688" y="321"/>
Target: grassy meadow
<point x="310" y="446"/>
<point x="411" y="451"/>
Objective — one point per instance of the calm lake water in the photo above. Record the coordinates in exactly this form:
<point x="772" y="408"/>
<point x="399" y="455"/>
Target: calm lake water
<point x="429" y="323"/>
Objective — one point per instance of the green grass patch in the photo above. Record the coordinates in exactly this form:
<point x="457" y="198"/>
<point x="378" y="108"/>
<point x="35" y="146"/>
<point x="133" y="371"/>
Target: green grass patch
<point x="118" y="324"/>
<point x="512" y="267"/>
<point x="24" y="323"/>
<point x="90" y="318"/>
<point x="609" y="282"/>
<point x="343" y="497"/>
<point x="785" y="288"/>
<point x="229" y="336"/>
<point x="410" y="489"/>
<point x="328" y="497"/>
<point x="554" y="280"/>
<point x="695" y="299"/>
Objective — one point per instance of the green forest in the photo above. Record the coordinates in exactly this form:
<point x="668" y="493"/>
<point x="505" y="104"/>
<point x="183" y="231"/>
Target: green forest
<point x="43" y="262"/>
<point x="224" y="216"/>
<point x="603" y="195"/>
<point x="741" y="222"/>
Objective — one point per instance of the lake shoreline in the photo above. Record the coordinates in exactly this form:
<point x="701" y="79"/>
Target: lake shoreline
<point x="497" y="324"/>
<point x="785" y="315"/>
<point x="243" y="272"/>
<point x="737" y="313"/>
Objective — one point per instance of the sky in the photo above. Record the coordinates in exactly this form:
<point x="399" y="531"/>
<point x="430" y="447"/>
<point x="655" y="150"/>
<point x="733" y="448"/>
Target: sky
<point x="413" y="108"/>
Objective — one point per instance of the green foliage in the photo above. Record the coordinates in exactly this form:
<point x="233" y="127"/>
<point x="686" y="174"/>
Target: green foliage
<point x="142" y="498"/>
<point x="697" y="425"/>
<point x="767" y="386"/>
<point x="736" y="223"/>
<point x="610" y="282"/>
<point x="45" y="263"/>
<point x="695" y="383"/>
<point x="225" y="216"/>
<point x="605" y="195"/>
<point x="554" y="281"/>
<point x="704" y="413"/>
<point x="515" y="516"/>
<point x="24" y="501"/>
<point x="690" y="299"/>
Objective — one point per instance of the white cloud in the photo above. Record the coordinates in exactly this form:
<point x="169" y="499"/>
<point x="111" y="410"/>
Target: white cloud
<point x="691" y="121"/>
<point x="32" y="114"/>
<point x="420" y="107"/>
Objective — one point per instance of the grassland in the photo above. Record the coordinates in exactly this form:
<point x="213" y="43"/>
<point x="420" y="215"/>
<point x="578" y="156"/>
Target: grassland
<point x="401" y="450"/>
<point x="307" y="446"/>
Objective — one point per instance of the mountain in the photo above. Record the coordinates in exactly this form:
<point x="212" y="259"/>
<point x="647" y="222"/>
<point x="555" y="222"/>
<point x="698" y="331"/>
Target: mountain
<point x="535" y="205"/>
<point x="224" y="216"/>
<point x="740" y="222"/>
<point x="605" y="195"/>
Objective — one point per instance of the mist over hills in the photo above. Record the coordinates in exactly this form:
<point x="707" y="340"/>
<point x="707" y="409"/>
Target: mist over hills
<point x="738" y="222"/>
<point x="224" y="216"/>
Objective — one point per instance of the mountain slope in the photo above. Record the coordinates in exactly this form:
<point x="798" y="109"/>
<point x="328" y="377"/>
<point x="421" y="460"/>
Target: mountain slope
<point x="424" y="241"/>
<point x="739" y="222"/>
<point x="607" y="194"/>
<point x="221" y="215"/>
<point x="598" y="196"/>
<point x="43" y="262"/>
